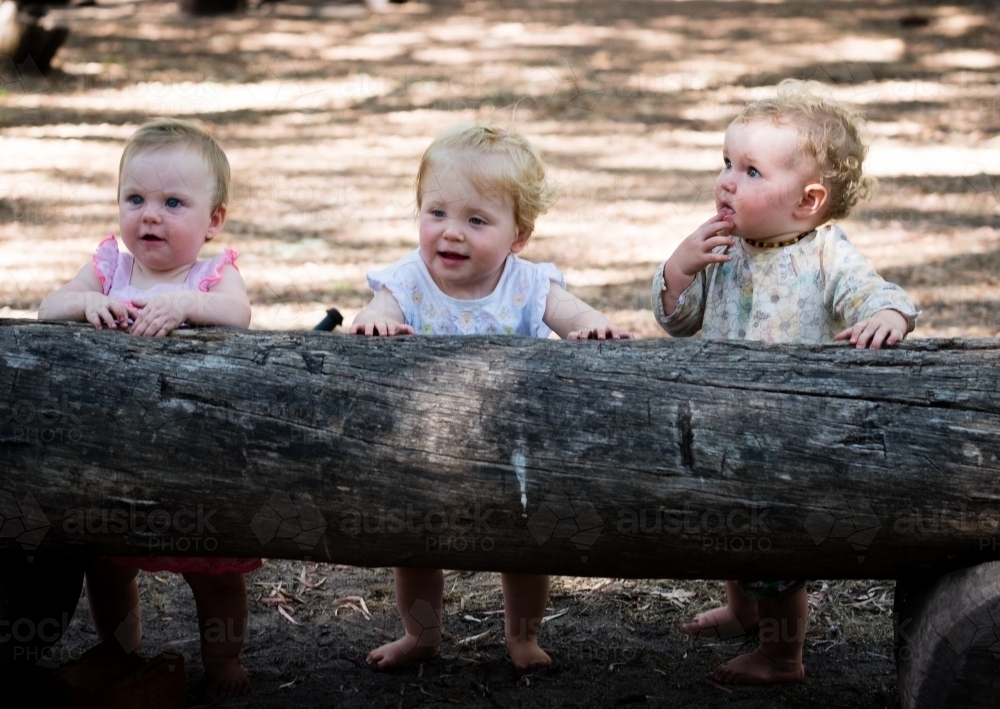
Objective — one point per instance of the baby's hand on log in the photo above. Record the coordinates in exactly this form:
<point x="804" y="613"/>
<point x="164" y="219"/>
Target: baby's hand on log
<point x="103" y="311"/>
<point x="163" y="313"/>
<point x="885" y="326"/>
<point x="600" y="333"/>
<point x="381" y="328"/>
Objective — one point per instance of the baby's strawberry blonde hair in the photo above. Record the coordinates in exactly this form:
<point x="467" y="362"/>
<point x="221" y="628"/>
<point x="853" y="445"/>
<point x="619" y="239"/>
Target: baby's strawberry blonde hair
<point x="172" y="132"/>
<point x="513" y="170"/>
<point x="830" y="133"/>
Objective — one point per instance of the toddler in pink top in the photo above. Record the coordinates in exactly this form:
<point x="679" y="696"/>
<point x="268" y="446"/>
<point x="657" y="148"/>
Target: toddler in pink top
<point x="173" y="185"/>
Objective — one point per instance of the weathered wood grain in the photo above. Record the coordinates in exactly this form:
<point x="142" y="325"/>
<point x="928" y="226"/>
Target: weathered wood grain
<point x="636" y="459"/>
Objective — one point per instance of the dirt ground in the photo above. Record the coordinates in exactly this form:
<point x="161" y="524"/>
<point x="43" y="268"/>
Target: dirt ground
<point x="324" y="109"/>
<point x="614" y="642"/>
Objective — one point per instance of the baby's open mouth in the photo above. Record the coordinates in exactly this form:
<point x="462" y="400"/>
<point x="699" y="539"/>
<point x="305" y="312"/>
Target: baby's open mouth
<point x="452" y="256"/>
<point x="150" y="237"/>
<point x="726" y="212"/>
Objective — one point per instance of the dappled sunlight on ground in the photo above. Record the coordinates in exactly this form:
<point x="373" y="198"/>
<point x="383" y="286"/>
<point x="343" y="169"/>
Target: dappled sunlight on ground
<point x="325" y="108"/>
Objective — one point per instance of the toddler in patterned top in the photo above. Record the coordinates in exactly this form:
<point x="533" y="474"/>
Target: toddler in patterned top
<point x="769" y="267"/>
<point x="173" y="183"/>
<point x="479" y="191"/>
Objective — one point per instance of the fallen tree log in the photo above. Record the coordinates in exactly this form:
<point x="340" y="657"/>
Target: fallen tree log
<point x="683" y="459"/>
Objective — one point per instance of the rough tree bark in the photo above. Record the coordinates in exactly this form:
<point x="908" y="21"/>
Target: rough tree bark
<point x="632" y="459"/>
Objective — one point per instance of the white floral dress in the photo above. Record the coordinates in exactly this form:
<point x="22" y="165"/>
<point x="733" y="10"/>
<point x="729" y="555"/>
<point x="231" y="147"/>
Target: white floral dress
<point x="806" y="292"/>
<point x="515" y="307"/>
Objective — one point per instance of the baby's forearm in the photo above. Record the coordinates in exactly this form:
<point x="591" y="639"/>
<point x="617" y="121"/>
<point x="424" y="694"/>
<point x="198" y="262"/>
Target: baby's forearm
<point x="565" y="314"/>
<point x="64" y="305"/>
<point x="676" y="283"/>
<point x="219" y="310"/>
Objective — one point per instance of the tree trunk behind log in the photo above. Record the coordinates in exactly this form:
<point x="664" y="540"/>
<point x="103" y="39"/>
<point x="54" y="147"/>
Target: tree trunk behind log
<point x="635" y="459"/>
<point x="948" y="640"/>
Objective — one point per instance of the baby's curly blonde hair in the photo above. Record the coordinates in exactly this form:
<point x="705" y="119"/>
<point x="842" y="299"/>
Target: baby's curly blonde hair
<point x="830" y="132"/>
<point x="519" y="174"/>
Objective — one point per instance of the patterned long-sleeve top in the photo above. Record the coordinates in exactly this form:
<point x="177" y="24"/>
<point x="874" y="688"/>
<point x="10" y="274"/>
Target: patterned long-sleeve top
<point x="806" y="292"/>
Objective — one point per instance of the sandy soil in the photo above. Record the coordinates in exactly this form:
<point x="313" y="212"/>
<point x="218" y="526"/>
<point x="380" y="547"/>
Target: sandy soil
<point x="324" y="109"/>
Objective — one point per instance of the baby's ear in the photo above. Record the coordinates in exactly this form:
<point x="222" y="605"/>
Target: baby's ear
<point x="815" y="197"/>
<point x="521" y="241"/>
<point x="217" y="222"/>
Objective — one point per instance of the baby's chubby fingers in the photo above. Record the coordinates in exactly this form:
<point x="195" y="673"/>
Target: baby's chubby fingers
<point x="121" y="313"/>
<point x="858" y="334"/>
<point x="393" y="328"/>
<point x="713" y="226"/>
<point x="98" y="317"/>
<point x="385" y="328"/>
<point x="885" y="327"/>
<point x="607" y="333"/>
<point x="697" y="250"/>
<point x="887" y="335"/>
<point x="613" y="333"/>
<point x="141" y="326"/>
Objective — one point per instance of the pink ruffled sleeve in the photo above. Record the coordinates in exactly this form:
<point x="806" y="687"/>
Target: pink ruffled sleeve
<point x="213" y="271"/>
<point x="105" y="262"/>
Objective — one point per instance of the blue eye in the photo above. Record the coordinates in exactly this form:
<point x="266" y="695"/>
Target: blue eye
<point x="173" y="202"/>
<point x="135" y="199"/>
<point x="753" y="172"/>
<point x="437" y="212"/>
<point x="728" y="164"/>
<point x="477" y="221"/>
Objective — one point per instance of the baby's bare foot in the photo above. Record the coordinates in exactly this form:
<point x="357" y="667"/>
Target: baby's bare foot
<point x="757" y="668"/>
<point x="527" y="656"/>
<point x="226" y="677"/>
<point x="720" y="624"/>
<point x="406" y="650"/>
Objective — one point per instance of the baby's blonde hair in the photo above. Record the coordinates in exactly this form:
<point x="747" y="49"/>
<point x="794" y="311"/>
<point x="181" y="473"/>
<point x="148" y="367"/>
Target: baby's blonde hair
<point x="830" y="132"/>
<point x="172" y="132"/>
<point x="519" y="174"/>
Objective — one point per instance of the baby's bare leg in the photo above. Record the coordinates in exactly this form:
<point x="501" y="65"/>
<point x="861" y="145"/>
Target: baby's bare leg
<point x="221" y="600"/>
<point x="418" y="599"/>
<point x="737" y="617"/>
<point x="778" y="659"/>
<point x="524" y="599"/>
<point x="113" y="594"/>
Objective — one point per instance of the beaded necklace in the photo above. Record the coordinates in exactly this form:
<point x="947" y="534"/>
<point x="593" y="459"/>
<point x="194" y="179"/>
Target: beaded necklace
<point x="776" y="244"/>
